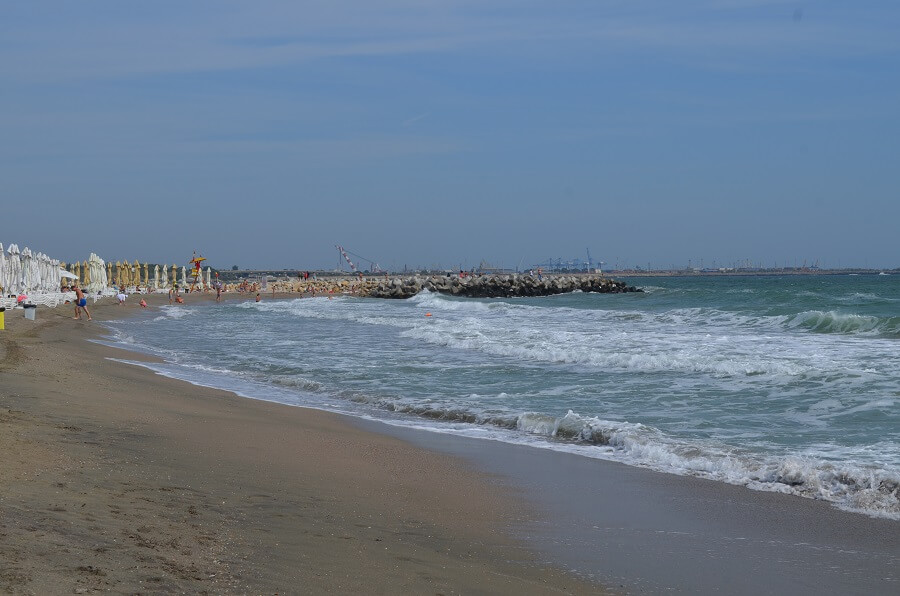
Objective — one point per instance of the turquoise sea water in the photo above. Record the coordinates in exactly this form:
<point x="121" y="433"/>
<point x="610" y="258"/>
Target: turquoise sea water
<point x="787" y="383"/>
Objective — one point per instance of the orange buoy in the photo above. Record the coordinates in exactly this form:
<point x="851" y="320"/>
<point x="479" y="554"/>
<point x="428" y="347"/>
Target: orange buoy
<point x="428" y="314"/>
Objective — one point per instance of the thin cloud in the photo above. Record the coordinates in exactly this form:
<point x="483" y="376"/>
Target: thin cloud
<point x="414" y="119"/>
<point x="239" y="39"/>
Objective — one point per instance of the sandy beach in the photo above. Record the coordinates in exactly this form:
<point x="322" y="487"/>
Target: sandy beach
<point x="117" y="479"/>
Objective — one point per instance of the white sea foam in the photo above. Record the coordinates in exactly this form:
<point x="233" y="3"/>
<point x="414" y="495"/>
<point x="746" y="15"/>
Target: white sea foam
<point x="868" y="490"/>
<point x="174" y="312"/>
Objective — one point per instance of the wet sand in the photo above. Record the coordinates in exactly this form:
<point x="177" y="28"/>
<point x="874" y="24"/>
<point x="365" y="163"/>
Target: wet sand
<point x="117" y="479"/>
<point x="648" y="533"/>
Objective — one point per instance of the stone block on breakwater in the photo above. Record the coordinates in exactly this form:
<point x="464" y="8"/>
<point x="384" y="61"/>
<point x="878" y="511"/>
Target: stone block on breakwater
<point x="495" y="286"/>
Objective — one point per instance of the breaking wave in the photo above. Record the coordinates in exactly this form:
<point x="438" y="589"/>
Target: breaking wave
<point x="870" y="491"/>
<point x="819" y="321"/>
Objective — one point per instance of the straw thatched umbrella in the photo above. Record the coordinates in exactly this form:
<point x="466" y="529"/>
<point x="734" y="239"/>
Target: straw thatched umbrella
<point x="146" y="276"/>
<point x="109" y="273"/>
<point x="174" y="275"/>
<point x="86" y="270"/>
<point x="76" y="269"/>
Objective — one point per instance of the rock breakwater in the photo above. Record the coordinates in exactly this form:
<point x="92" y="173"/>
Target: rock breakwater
<point x="495" y="286"/>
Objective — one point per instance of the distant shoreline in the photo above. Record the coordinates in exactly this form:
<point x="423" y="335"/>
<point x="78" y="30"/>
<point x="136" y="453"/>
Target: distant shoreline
<point x="609" y="273"/>
<point x="759" y="273"/>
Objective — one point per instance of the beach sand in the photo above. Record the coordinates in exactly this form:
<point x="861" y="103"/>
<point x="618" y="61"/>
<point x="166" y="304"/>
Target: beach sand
<point x="118" y="479"/>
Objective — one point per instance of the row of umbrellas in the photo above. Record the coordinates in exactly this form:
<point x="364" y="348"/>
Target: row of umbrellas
<point x="123" y="273"/>
<point x="23" y="271"/>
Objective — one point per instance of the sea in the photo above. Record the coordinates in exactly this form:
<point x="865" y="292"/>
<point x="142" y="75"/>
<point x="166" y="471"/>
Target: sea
<point x="777" y="383"/>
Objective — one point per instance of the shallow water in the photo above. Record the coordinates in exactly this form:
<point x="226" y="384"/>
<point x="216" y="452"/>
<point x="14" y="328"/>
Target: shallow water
<point x="787" y="383"/>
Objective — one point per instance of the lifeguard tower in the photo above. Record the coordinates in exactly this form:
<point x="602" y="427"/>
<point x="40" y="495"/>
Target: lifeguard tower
<point x="196" y="271"/>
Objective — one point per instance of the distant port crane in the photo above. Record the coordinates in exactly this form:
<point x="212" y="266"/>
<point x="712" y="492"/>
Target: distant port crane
<point x="559" y="264"/>
<point x="373" y="266"/>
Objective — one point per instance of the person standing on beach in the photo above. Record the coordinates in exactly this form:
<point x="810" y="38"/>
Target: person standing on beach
<point x="171" y="296"/>
<point x="80" y="303"/>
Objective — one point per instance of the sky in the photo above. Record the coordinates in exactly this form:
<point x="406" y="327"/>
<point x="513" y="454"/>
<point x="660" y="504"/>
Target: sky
<point x="426" y="133"/>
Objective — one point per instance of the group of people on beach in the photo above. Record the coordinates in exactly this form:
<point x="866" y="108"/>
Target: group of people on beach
<point x="175" y="295"/>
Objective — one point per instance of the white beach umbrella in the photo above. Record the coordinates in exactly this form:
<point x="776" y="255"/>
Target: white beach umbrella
<point x="54" y="274"/>
<point x="5" y="277"/>
<point x="14" y="270"/>
<point x="156" y="277"/>
<point x="52" y="268"/>
<point x="50" y="280"/>
<point x="33" y="275"/>
<point x="43" y="273"/>
<point x="37" y="267"/>
<point x="98" y="273"/>
<point x="104" y="271"/>
<point x="43" y="277"/>
<point x="165" y="276"/>
<point x="43" y="266"/>
<point x="37" y="271"/>
<point x="2" y="269"/>
<point x="25" y="270"/>
<point x="184" y="277"/>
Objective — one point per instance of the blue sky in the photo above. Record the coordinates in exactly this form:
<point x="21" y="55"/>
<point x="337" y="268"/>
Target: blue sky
<point x="428" y="133"/>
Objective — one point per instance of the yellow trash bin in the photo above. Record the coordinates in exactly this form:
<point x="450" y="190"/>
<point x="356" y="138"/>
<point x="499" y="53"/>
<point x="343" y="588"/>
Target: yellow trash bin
<point x="2" y="318"/>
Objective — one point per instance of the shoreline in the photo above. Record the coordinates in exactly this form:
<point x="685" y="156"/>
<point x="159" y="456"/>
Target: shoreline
<point x="640" y="530"/>
<point x="121" y="479"/>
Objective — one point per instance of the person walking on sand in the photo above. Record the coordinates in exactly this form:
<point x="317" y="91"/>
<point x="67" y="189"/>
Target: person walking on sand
<point x="80" y="303"/>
